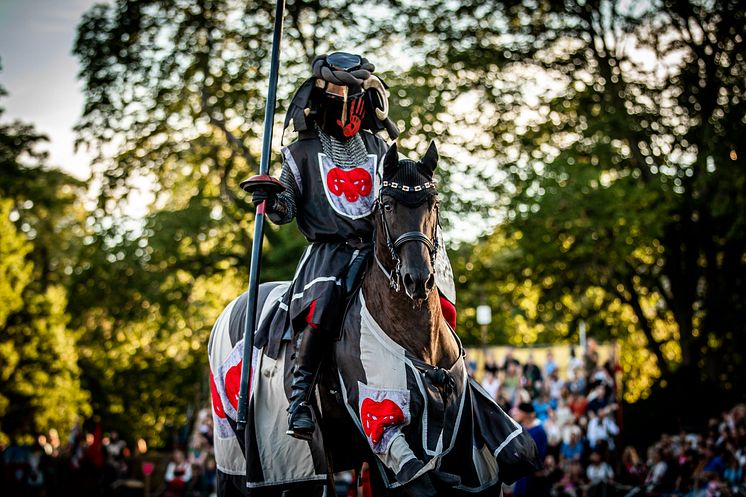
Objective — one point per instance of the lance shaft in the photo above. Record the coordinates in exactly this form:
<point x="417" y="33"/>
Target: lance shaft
<point x="256" y="248"/>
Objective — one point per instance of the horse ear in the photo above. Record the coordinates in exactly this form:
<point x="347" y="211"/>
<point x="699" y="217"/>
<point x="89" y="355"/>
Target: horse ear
<point x="430" y="159"/>
<point x="391" y="161"/>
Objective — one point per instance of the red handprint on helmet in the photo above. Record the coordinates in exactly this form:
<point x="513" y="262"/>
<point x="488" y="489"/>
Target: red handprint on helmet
<point x="357" y="111"/>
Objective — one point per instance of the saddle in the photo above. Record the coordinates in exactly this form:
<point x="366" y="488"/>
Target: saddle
<point x="274" y="326"/>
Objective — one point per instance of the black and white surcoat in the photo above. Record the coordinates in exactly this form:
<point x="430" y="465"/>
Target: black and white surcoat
<point x="330" y="191"/>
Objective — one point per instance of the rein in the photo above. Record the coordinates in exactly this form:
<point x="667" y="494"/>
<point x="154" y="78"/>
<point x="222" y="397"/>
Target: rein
<point x="432" y="244"/>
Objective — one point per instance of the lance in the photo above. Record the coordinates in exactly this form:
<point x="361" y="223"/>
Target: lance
<point x="265" y="182"/>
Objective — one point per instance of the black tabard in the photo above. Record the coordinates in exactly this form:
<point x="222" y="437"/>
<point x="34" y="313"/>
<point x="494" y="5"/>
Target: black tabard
<point x="335" y="203"/>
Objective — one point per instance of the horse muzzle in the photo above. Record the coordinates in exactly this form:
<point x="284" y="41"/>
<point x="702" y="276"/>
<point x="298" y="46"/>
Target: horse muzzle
<point x="418" y="284"/>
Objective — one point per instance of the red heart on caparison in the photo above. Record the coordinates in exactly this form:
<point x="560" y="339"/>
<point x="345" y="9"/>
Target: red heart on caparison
<point x="217" y="403"/>
<point x="233" y="383"/>
<point x="376" y="416"/>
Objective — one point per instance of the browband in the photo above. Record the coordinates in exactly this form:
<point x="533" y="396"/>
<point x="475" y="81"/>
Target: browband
<point x="405" y="188"/>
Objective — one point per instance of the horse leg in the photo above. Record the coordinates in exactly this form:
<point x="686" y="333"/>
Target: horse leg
<point x="377" y="486"/>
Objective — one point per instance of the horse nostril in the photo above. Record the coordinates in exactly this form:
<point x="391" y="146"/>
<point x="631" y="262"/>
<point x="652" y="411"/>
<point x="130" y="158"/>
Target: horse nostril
<point x="430" y="283"/>
<point x="408" y="281"/>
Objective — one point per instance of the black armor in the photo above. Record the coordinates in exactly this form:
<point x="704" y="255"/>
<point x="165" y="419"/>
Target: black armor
<point x="330" y="176"/>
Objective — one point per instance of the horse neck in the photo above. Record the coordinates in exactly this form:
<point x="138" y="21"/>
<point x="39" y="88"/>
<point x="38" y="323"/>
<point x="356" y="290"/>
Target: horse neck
<point x="421" y="331"/>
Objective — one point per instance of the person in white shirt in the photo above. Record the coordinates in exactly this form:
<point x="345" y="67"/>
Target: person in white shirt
<point x="491" y="384"/>
<point x="178" y="474"/>
<point x="602" y="427"/>
<point x="598" y="471"/>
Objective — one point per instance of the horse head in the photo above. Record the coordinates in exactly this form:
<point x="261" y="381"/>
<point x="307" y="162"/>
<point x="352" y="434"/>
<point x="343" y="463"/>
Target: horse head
<point x="407" y="223"/>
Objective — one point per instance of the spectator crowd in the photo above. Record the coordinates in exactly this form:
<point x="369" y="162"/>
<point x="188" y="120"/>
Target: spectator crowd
<point x="93" y="463"/>
<point x="573" y="416"/>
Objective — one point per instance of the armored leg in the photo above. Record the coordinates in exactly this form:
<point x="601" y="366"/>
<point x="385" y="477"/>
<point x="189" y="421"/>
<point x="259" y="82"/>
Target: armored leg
<point x="309" y="350"/>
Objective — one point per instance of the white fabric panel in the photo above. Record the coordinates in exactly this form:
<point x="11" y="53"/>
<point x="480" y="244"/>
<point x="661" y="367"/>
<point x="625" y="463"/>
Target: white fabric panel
<point x="485" y="464"/>
<point x="275" y="447"/>
<point x="384" y="366"/>
<point x="228" y="455"/>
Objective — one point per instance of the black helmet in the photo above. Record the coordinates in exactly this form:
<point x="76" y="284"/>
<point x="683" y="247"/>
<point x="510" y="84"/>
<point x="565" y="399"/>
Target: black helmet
<point x="342" y="97"/>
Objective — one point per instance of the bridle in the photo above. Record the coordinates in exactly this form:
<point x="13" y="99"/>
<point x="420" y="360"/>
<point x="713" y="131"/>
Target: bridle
<point x="432" y="243"/>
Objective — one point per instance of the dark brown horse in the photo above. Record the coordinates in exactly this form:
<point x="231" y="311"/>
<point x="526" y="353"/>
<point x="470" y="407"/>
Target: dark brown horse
<point x="393" y="391"/>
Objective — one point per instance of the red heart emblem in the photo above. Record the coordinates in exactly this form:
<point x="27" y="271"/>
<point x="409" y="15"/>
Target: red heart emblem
<point x="233" y="383"/>
<point x="376" y="416"/>
<point x="217" y="404"/>
<point x="353" y="183"/>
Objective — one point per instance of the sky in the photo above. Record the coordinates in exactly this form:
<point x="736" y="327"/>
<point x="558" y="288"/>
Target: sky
<point x="39" y="73"/>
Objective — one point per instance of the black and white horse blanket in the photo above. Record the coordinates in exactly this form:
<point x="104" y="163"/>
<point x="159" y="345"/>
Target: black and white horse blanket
<point x="415" y="418"/>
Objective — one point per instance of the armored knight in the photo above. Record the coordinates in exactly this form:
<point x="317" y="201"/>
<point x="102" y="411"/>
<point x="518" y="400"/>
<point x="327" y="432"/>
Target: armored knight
<point x="328" y="174"/>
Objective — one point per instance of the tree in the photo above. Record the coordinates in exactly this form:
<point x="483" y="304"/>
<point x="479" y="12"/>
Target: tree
<point x="40" y="387"/>
<point x="15" y="270"/>
<point x="615" y="129"/>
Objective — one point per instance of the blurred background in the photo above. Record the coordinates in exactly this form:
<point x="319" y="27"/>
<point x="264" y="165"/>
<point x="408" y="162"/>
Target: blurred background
<point x="592" y="172"/>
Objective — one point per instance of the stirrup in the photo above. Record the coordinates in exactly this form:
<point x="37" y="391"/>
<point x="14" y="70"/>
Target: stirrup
<point x="301" y="424"/>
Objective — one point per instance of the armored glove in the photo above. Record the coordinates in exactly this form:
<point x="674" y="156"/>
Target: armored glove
<point x="260" y="195"/>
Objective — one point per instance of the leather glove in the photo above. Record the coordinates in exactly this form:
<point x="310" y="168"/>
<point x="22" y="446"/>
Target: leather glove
<point x="260" y="196"/>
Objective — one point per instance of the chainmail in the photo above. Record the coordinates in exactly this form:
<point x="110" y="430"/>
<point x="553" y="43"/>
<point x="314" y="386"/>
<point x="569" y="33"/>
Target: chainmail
<point x="284" y="209"/>
<point x="344" y="155"/>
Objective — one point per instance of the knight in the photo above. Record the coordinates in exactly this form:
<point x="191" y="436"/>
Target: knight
<point x="329" y="174"/>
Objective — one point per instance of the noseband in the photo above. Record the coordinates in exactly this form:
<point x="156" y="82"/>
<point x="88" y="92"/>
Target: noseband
<point x="432" y="244"/>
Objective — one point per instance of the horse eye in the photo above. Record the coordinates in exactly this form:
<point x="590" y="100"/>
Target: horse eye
<point x="388" y="206"/>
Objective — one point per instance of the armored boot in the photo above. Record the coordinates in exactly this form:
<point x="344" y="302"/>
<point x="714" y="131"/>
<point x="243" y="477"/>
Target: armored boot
<point x="308" y="352"/>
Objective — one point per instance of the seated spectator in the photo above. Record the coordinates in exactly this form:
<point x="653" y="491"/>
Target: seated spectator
<point x="572" y="450"/>
<point x="577" y="404"/>
<point x="549" y="476"/>
<point x="542" y="406"/>
<point x="574" y="364"/>
<point x="632" y="471"/>
<point x="602" y="427"/>
<point x="578" y="383"/>
<point x="596" y="397"/>
<point x="502" y="400"/>
<point x="178" y="475"/>
<point x="198" y="450"/>
<point x="521" y="396"/>
<point x="563" y="413"/>
<point x="490" y="365"/>
<point x="601" y="374"/>
<point x="555" y="385"/>
<point x="654" y="481"/>
<point x="554" y="434"/>
<point x="598" y="470"/>
<point x="511" y="382"/>
<point x="531" y="371"/>
<point x="526" y="416"/>
<point x="550" y="367"/>
<point x="209" y="476"/>
<point x="573" y="483"/>
<point x="733" y="474"/>
<point x="490" y="383"/>
<point x="509" y="359"/>
<point x="714" y="462"/>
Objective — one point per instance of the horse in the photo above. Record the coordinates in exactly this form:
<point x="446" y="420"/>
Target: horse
<point x="393" y="390"/>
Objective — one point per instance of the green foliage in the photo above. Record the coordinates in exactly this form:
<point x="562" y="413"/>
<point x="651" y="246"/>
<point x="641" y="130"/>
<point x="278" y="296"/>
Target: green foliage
<point x="40" y="387"/>
<point x="621" y="176"/>
<point x="41" y="377"/>
<point x="15" y="270"/>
